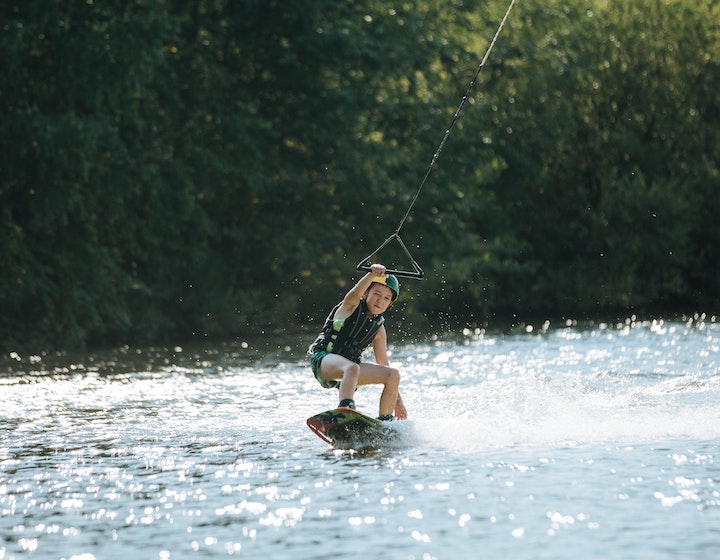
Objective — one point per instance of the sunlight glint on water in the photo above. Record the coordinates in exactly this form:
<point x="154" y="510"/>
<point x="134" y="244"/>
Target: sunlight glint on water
<point x="559" y="443"/>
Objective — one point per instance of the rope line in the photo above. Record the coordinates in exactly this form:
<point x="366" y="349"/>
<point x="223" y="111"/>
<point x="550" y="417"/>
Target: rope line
<point x="455" y="117"/>
<point x="417" y="272"/>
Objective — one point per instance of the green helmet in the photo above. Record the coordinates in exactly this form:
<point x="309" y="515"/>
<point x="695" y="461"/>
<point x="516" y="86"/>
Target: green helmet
<point x="391" y="282"/>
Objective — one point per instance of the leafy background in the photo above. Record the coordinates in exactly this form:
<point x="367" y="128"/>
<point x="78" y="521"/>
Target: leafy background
<point x="205" y="169"/>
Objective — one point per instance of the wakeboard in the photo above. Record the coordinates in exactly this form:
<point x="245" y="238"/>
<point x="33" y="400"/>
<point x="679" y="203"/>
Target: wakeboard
<point x="345" y="427"/>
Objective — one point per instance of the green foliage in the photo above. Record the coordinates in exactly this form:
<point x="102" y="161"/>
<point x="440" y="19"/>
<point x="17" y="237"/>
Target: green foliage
<point x="190" y="169"/>
<point x="606" y="120"/>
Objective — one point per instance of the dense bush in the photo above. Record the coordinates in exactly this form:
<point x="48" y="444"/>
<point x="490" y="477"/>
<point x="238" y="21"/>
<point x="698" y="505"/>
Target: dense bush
<point x="190" y="169"/>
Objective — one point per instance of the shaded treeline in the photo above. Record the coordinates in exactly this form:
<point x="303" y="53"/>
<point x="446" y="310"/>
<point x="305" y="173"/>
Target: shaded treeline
<point x="211" y="168"/>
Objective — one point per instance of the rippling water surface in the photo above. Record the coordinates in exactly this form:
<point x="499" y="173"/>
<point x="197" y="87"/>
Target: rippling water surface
<point x="554" y="443"/>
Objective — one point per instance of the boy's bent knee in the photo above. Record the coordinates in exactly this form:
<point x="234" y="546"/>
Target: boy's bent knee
<point x="352" y="371"/>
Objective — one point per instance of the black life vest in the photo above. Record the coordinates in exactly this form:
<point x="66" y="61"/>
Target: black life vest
<point x="350" y="336"/>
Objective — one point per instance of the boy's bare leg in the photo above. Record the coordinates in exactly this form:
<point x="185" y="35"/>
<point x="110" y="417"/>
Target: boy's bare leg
<point x="334" y="367"/>
<point x="389" y="378"/>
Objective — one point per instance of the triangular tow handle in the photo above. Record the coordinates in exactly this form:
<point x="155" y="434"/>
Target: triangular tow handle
<point x="364" y="264"/>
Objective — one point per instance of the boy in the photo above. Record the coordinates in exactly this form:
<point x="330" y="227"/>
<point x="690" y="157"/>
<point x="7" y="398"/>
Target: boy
<point x="354" y="324"/>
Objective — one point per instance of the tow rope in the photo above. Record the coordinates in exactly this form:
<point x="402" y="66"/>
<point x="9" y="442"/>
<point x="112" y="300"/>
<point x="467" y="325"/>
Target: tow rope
<point x="417" y="272"/>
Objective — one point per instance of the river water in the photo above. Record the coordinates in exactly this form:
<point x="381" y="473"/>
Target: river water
<point x="559" y="442"/>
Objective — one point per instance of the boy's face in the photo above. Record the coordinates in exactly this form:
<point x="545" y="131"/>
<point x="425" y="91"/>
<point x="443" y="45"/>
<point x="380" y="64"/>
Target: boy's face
<point x="378" y="298"/>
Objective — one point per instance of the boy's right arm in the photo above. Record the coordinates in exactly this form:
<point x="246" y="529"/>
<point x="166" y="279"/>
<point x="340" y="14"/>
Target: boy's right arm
<point x="353" y="297"/>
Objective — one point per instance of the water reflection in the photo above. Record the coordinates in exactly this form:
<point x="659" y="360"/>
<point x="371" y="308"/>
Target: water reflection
<point x="550" y="437"/>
